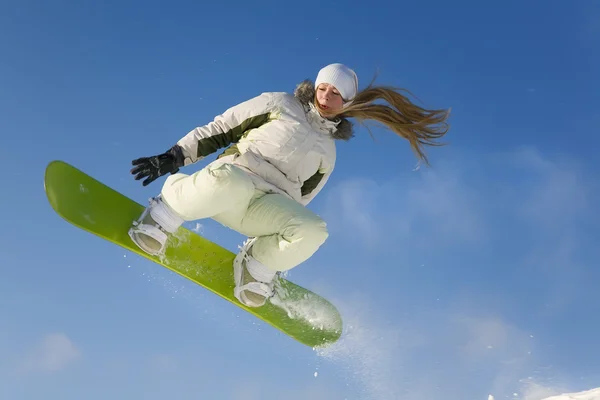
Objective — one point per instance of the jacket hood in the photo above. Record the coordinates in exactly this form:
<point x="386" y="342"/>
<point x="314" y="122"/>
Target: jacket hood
<point x="305" y="93"/>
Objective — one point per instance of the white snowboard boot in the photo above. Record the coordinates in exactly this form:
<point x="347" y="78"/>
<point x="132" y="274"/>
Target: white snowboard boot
<point x="152" y="229"/>
<point x="253" y="280"/>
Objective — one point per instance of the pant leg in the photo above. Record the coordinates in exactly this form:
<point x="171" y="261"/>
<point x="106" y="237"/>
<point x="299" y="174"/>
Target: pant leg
<point x="208" y="192"/>
<point x="287" y="232"/>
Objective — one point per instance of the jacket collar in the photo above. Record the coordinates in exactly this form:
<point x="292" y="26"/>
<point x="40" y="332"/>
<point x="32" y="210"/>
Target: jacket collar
<point x="320" y="123"/>
<point x="341" y="128"/>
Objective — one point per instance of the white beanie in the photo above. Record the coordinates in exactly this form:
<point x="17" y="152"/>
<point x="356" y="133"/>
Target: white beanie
<point x="340" y="76"/>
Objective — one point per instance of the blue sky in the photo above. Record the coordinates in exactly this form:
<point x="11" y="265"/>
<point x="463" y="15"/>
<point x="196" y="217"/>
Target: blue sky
<point x="476" y="276"/>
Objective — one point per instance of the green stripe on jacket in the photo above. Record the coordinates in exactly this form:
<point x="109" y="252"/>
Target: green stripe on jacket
<point x="211" y="144"/>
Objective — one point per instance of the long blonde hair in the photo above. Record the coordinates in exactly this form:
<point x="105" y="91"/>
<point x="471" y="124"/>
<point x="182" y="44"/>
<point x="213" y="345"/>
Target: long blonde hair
<point x="420" y="126"/>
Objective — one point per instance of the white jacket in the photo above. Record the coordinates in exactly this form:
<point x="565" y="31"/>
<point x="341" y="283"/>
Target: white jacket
<point x="279" y="138"/>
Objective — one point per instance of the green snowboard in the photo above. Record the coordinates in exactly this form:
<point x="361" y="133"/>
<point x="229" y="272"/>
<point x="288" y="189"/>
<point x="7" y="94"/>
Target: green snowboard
<point x="94" y="207"/>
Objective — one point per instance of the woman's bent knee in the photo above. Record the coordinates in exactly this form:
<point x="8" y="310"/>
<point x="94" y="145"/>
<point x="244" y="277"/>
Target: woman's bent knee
<point x="313" y="232"/>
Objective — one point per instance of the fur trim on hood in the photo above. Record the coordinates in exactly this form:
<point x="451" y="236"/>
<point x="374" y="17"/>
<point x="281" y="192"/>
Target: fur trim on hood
<point x="305" y="93"/>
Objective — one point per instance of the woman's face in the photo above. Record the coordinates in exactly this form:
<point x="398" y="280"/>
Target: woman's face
<point x="329" y="98"/>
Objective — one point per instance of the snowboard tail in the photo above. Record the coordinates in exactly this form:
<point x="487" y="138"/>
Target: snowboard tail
<point x="98" y="209"/>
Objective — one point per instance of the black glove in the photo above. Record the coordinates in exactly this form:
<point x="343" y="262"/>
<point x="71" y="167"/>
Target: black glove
<point x="154" y="167"/>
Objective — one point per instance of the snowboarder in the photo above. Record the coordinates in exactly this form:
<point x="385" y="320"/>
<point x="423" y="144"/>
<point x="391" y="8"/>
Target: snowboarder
<point x="279" y="152"/>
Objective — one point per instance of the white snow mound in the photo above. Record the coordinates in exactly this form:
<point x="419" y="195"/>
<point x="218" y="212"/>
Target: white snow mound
<point x="593" y="394"/>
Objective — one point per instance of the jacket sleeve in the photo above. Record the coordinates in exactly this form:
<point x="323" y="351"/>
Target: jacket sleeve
<point x="226" y="128"/>
<point x="313" y="185"/>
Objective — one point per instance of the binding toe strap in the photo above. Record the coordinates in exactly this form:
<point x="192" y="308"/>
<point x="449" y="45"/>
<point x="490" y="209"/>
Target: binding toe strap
<point x="260" y="288"/>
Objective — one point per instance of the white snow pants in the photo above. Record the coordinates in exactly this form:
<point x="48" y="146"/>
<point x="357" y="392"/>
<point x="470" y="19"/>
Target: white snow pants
<point x="287" y="232"/>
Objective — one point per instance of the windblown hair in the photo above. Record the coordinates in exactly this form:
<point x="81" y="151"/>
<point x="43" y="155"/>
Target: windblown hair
<point x="420" y="126"/>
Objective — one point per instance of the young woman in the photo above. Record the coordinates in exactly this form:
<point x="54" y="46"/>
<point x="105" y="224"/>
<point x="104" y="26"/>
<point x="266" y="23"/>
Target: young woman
<point x="280" y="150"/>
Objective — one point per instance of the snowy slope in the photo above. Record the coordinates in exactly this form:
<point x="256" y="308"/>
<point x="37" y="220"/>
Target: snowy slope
<point x="593" y="394"/>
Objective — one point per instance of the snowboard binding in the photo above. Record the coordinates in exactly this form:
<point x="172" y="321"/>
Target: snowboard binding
<point x="254" y="281"/>
<point x="151" y="230"/>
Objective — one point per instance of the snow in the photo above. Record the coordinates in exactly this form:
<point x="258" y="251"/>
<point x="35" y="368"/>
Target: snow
<point x="592" y="394"/>
<point x="308" y="308"/>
